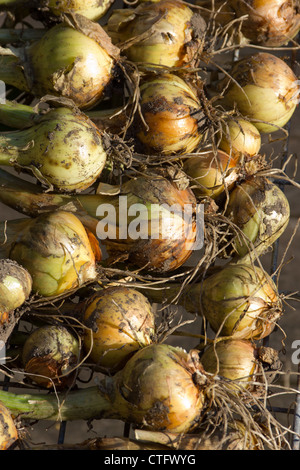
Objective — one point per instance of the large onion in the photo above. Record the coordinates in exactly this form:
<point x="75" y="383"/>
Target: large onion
<point x="62" y="148"/>
<point x="120" y="321"/>
<point x="263" y="88"/>
<point x="260" y="209"/>
<point x="56" y="250"/>
<point x="50" y="355"/>
<point x="8" y="429"/>
<point x="241" y="301"/>
<point x="210" y="173"/>
<point x="166" y="33"/>
<point x="73" y="62"/>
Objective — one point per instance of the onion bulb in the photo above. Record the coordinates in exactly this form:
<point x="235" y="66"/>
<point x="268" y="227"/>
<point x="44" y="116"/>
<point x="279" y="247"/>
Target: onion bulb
<point x="166" y="33"/>
<point x="158" y="389"/>
<point x="172" y="116"/>
<point x="50" y="355"/>
<point x="55" y="249"/>
<point x="239" y="138"/>
<point x="91" y="9"/>
<point x="210" y="173"/>
<point x="71" y="62"/>
<point x="240" y="301"/>
<point x="63" y="149"/>
<point x="120" y="321"/>
<point x="263" y="88"/>
<point x="8" y="430"/>
<point x="240" y="361"/>
<point x="260" y="209"/>
<point x="15" y="287"/>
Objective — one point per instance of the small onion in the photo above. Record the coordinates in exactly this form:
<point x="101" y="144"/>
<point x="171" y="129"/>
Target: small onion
<point x="239" y="138"/>
<point x="71" y="62"/>
<point x="120" y="321"/>
<point x="55" y="249"/>
<point x="241" y="301"/>
<point x="211" y="173"/>
<point x="260" y="209"/>
<point x="158" y="389"/>
<point x="15" y="287"/>
<point x="92" y="9"/>
<point x="265" y="90"/>
<point x="8" y="430"/>
<point x="172" y="116"/>
<point x="50" y="355"/>
<point x="63" y="149"/>
<point x="166" y="33"/>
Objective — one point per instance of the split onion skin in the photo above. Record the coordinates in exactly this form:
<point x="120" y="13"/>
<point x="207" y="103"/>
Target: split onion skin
<point x="265" y="91"/>
<point x="120" y="321"/>
<point x="8" y="429"/>
<point x="55" y="249"/>
<point x="241" y="301"/>
<point x="50" y="355"/>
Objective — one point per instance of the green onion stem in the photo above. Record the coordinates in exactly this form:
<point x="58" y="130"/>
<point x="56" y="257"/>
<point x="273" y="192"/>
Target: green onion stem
<point x="11" y="73"/>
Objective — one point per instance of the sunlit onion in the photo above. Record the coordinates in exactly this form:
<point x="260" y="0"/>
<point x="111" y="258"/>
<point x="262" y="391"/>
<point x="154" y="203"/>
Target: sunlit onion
<point x="211" y="173"/>
<point x="241" y="301"/>
<point x="166" y="33"/>
<point x="260" y="209"/>
<point x="239" y="138"/>
<point x="92" y="9"/>
<point x="263" y="88"/>
<point x="8" y="429"/>
<point x="55" y="249"/>
<point x="50" y="355"/>
<point x="120" y="321"/>
<point x="172" y="116"/>
<point x="62" y="148"/>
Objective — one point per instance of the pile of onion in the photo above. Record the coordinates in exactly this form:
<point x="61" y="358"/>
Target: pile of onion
<point x="263" y="88"/>
<point x="50" y="355"/>
<point x="119" y="322"/>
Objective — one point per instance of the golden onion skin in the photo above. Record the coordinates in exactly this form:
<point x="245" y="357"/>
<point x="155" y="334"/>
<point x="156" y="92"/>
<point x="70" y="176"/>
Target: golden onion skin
<point x="55" y="249"/>
<point x="91" y="9"/>
<point x="120" y="321"/>
<point x="172" y="114"/>
<point x="211" y="173"/>
<point x="241" y="301"/>
<point x="171" y="33"/>
<point x="15" y="287"/>
<point x="156" y="390"/>
<point x="50" y="355"/>
<point x="8" y="429"/>
<point x="267" y="90"/>
<point x="260" y="209"/>
<point x="239" y="138"/>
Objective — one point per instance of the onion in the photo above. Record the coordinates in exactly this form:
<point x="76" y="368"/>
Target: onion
<point x="240" y="301"/>
<point x="92" y="9"/>
<point x="242" y="362"/>
<point x="120" y="321"/>
<point x="239" y="138"/>
<point x="211" y="173"/>
<point x="260" y="209"/>
<point x="148" y="221"/>
<point x="50" y="355"/>
<point x="72" y="62"/>
<point x="8" y="430"/>
<point x="166" y="33"/>
<point x="63" y="149"/>
<point x="172" y="116"/>
<point x="265" y="90"/>
<point x="55" y="249"/>
<point x="15" y="287"/>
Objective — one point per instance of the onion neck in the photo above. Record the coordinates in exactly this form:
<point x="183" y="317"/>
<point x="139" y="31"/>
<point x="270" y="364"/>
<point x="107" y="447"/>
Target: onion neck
<point x="12" y="73"/>
<point x="10" y="35"/>
<point x="14" y="147"/>
<point x="16" y="115"/>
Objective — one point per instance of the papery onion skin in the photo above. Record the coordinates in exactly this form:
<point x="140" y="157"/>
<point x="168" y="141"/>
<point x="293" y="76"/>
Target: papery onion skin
<point x="120" y="321"/>
<point x="15" y="287"/>
<point x="172" y="33"/>
<point x="172" y="116"/>
<point x="55" y="249"/>
<point x="50" y="355"/>
<point x="239" y="138"/>
<point x="63" y="148"/>
<point x="260" y="209"/>
<point x="156" y="390"/>
<point x="241" y="301"/>
<point x="8" y="429"/>
<point x="266" y="92"/>
<point x="211" y="173"/>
